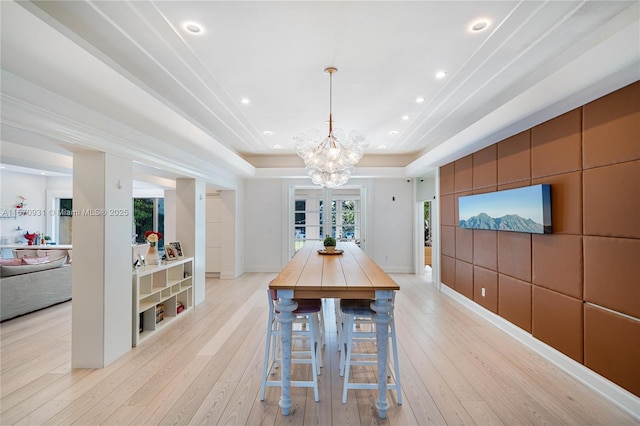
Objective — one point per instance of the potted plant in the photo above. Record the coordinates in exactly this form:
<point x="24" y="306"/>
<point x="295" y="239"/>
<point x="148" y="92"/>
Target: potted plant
<point x="330" y="244"/>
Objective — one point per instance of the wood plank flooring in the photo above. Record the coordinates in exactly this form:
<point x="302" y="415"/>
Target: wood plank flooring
<point x="205" y="369"/>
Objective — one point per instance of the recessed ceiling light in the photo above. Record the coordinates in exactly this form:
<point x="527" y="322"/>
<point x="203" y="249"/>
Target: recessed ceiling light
<point x="245" y="101"/>
<point x="277" y="147"/>
<point x="419" y="99"/>
<point x="193" y="27"/>
<point x="480" y="25"/>
<point x="43" y="173"/>
<point x="267" y="132"/>
<point x="394" y="132"/>
<point x="405" y="117"/>
<point x="382" y="147"/>
<point x="441" y="74"/>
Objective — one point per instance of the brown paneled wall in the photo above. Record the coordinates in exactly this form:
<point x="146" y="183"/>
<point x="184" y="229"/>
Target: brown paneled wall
<point x="577" y="289"/>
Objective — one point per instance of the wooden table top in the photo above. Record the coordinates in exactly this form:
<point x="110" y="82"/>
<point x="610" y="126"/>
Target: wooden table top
<point x="351" y="274"/>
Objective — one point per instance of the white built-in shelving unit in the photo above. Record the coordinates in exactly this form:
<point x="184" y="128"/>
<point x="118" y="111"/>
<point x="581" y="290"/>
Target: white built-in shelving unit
<point x="158" y="291"/>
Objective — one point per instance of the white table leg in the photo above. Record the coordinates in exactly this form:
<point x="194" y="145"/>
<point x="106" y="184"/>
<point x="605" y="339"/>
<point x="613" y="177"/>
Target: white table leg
<point x="382" y="307"/>
<point x="286" y="306"/>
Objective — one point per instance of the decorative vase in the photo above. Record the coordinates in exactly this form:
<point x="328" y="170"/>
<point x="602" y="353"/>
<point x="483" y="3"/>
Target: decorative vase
<point x="330" y="249"/>
<point x="152" y="255"/>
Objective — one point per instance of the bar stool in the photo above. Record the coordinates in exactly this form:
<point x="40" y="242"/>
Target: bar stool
<point x="358" y="312"/>
<point x="307" y="315"/>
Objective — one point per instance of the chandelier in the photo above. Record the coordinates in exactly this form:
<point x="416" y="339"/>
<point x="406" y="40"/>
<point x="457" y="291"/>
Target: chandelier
<point x="329" y="161"/>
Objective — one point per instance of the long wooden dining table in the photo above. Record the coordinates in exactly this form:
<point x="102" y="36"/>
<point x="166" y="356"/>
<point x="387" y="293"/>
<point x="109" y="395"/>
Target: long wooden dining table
<point x="349" y="275"/>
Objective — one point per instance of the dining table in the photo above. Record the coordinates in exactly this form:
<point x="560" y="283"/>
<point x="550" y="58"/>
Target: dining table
<point x="349" y="273"/>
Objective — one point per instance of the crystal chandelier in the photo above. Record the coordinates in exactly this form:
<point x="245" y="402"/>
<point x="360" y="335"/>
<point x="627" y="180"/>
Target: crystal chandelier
<point x="329" y="161"/>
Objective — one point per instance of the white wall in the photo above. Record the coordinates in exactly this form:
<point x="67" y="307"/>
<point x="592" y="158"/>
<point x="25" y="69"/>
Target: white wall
<point x="214" y="234"/>
<point x="32" y="187"/>
<point x="240" y="228"/>
<point x="263" y="233"/>
<point x="389" y="224"/>
<point x="425" y="189"/>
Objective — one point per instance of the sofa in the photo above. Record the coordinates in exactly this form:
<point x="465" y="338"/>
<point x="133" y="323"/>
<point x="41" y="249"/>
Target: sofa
<point x="26" y="288"/>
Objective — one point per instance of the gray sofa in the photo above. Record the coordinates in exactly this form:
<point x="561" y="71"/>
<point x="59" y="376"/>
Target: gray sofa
<point x="28" y="288"/>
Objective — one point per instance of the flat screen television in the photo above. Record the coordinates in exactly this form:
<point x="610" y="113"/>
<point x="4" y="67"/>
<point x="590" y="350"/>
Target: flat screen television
<point x="525" y="209"/>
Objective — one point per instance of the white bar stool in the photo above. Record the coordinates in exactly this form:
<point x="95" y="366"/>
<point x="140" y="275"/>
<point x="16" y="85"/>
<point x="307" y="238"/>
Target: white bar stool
<point x="307" y="315"/>
<point x="358" y="312"/>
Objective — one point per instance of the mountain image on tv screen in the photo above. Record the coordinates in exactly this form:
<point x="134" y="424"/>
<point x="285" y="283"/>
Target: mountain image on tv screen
<point x="525" y="209"/>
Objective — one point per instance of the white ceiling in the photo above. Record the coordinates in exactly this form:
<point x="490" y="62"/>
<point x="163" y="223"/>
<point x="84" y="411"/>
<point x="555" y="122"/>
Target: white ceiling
<point x="126" y="78"/>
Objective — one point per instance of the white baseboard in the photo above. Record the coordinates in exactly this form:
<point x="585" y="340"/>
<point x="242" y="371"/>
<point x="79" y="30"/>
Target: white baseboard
<point x="609" y="390"/>
<point x="228" y="276"/>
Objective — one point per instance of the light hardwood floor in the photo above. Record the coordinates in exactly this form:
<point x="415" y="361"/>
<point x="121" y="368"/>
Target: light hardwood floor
<point x="206" y="368"/>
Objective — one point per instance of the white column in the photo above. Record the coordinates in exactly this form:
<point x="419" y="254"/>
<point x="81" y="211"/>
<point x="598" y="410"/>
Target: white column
<point x="170" y="215"/>
<point x="213" y="264"/>
<point x="191" y="228"/>
<point x="101" y="276"/>
<point x="229" y="269"/>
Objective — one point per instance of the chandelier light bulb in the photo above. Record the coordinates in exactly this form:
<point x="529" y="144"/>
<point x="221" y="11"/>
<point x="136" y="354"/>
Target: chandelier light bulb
<point x="333" y="153"/>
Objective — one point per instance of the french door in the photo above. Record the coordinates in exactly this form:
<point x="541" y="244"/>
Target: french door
<point x="319" y="212"/>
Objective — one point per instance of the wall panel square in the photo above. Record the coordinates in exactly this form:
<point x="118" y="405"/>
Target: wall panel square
<point x="448" y="210"/>
<point x="612" y="274"/>
<point x="558" y="264"/>
<point x="485" y="190"/>
<point x="485" y="249"/>
<point x="557" y="321"/>
<point x="464" y="278"/>
<point x="612" y="200"/>
<point x="485" y="167"/>
<point x="464" y="174"/>
<point x="448" y="240"/>
<point x="514" y="301"/>
<point x="484" y="278"/>
<point x="447" y="174"/>
<point x="514" y="158"/>
<point x="611" y="347"/>
<point x="456" y="205"/>
<point x="566" y="202"/>
<point x="514" y="185"/>
<point x="556" y="145"/>
<point x="448" y="271"/>
<point x="514" y="255"/>
<point x="611" y="128"/>
<point x="464" y="244"/>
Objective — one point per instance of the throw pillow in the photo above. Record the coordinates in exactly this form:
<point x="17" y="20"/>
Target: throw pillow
<point x="11" y="262"/>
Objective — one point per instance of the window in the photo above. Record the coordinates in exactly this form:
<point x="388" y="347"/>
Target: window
<point x="345" y="219"/>
<point x="64" y="218"/>
<point x="148" y="214"/>
<point x="307" y="219"/>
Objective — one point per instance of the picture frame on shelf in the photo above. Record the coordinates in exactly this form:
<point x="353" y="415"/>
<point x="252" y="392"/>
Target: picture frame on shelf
<point x="173" y="251"/>
<point x="178" y="247"/>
